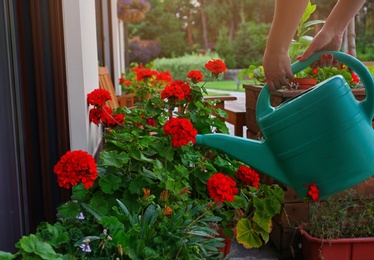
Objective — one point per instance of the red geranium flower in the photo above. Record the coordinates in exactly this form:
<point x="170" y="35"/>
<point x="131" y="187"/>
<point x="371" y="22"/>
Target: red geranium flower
<point x="215" y="66"/>
<point x="76" y="167"/>
<point x="195" y="76"/>
<point x="95" y="116"/>
<point x="98" y="97"/>
<point x="181" y="130"/>
<point x="177" y="89"/>
<point x="221" y="187"/>
<point x="355" y="78"/>
<point x="313" y="191"/>
<point x="164" y="76"/>
<point x="248" y="176"/>
<point x="142" y="74"/>
<point x="151" y="122"/>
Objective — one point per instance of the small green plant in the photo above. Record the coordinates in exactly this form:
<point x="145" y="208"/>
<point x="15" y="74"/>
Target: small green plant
<point x="253" y="72"/>
<point x="302" y="40"/>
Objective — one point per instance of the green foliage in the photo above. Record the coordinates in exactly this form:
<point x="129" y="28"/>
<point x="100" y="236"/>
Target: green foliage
<point x="303" y="40"/>
<point x="180" y="66"/>
<point x="255" y="73"/>
<point x="346" y="215"/>
<point x="225" y="48"/>
<point x="249" y="44"/>
<point x="162" y="24"/>
<point x="173" y="44"/>
<point x="255" y="223"/>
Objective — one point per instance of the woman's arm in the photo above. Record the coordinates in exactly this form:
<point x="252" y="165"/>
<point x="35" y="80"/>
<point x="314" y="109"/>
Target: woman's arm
<point x="276" y="62"/>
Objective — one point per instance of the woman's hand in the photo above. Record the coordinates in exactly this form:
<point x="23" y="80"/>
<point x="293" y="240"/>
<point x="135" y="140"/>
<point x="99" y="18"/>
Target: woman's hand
<point x="278" y="69"/>
<point x="323" y="41"/>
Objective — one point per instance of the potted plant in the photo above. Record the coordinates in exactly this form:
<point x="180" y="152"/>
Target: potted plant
<point x="153" y="194"/>
<point x="340" y="227"/>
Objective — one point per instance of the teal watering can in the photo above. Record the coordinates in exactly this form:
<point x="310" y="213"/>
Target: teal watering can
<point x="322" y="136"/>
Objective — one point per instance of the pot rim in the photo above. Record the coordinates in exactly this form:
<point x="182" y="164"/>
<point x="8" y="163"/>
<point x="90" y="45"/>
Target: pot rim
<point x="305" y="234"/>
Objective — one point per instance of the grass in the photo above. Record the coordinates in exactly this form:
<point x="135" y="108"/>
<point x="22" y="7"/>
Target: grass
<point x="229" y="85"/>
<point x="212" y="93"/>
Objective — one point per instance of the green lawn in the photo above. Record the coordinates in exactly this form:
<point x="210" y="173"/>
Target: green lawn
<point x="229" y="85"/>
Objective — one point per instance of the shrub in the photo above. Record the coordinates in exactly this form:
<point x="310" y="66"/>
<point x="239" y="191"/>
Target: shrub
<point x="225" y="48"/>
<point x="179" y="66"/>
<point x="173" y="44"/>
<point x="249" y="44"/>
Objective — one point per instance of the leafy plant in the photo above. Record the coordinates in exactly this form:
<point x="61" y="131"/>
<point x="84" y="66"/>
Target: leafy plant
<point x="302" y="40"/>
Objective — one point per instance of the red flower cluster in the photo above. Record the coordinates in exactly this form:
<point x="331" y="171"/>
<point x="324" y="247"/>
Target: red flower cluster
<point x="102" y="114"/>
<point x="146" y="73"/>
<point x="76" y="167"/>
<point x="248" y="176"/>
<point x="195" y="75"/>
<point x="313" y="191"/>
<point x="164" y="76"/>
<point x="151" y="122"/>
<point x="355" y="78"/>
<point x="142" y="74"/>
<point x="181" y="130"/>
<point x="216" y="67"/>
<point x="221" y="187"/>
<point x="177" y="89"/>
<point x="124" y="82"/>
<point x="98" y="97"/>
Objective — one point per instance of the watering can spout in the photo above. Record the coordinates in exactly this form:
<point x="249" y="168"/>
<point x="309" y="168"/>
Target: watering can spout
<point x="254" y="153"/>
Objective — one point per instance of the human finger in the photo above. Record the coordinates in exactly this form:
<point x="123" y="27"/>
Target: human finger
<point x="329" y="60"/>
<point x="323" y="61"/>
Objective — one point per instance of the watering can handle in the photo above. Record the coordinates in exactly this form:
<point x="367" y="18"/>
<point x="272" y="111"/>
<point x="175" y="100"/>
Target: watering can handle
<point x="264" y="108"/>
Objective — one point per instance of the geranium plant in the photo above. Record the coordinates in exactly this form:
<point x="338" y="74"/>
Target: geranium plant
<point x="153" y="193"/>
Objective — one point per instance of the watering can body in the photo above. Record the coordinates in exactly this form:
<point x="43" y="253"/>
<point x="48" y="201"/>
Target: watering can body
<point x="322" y="136"/>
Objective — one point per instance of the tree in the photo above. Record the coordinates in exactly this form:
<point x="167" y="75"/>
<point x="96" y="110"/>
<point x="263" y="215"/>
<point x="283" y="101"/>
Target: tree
<point x="249" y="44"/>
<point x="225" y="48"/>
<point x="162" y="23"/>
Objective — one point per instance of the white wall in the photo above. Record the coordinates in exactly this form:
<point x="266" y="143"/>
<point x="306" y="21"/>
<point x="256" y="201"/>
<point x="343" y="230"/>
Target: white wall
<point x="82" y="71"/>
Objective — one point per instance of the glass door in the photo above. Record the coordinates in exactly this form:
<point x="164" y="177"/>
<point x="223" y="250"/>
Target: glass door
<point x="12" y="190"/>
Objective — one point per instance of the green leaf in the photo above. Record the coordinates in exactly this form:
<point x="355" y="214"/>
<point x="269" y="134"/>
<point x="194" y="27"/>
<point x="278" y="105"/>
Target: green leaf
<point x="112" y="224"/>
<point x="58" y="235"/>
<point x="245" y="234"/>
<point x="7" y="256"/>
<point x="110" y="183"/>
<point x="123" y="207"/>
<point x="238" y="202"/>
<point x="94" y="212"/>
<point x="32" y="244"/>
<point x="113" y="158"/>
<point x="80" y="192"/>
<point x="100" y="203"/>
<point x="137" y="184"/>
<point x="263" y="221"/>
<point x="138" y="155"/>
<point x="70" y="209"/>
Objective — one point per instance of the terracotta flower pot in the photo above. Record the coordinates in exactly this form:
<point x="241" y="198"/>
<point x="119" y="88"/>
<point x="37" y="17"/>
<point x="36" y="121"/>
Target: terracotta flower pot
<point x="301" y="83"/>
<point x="342" y="248"/>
